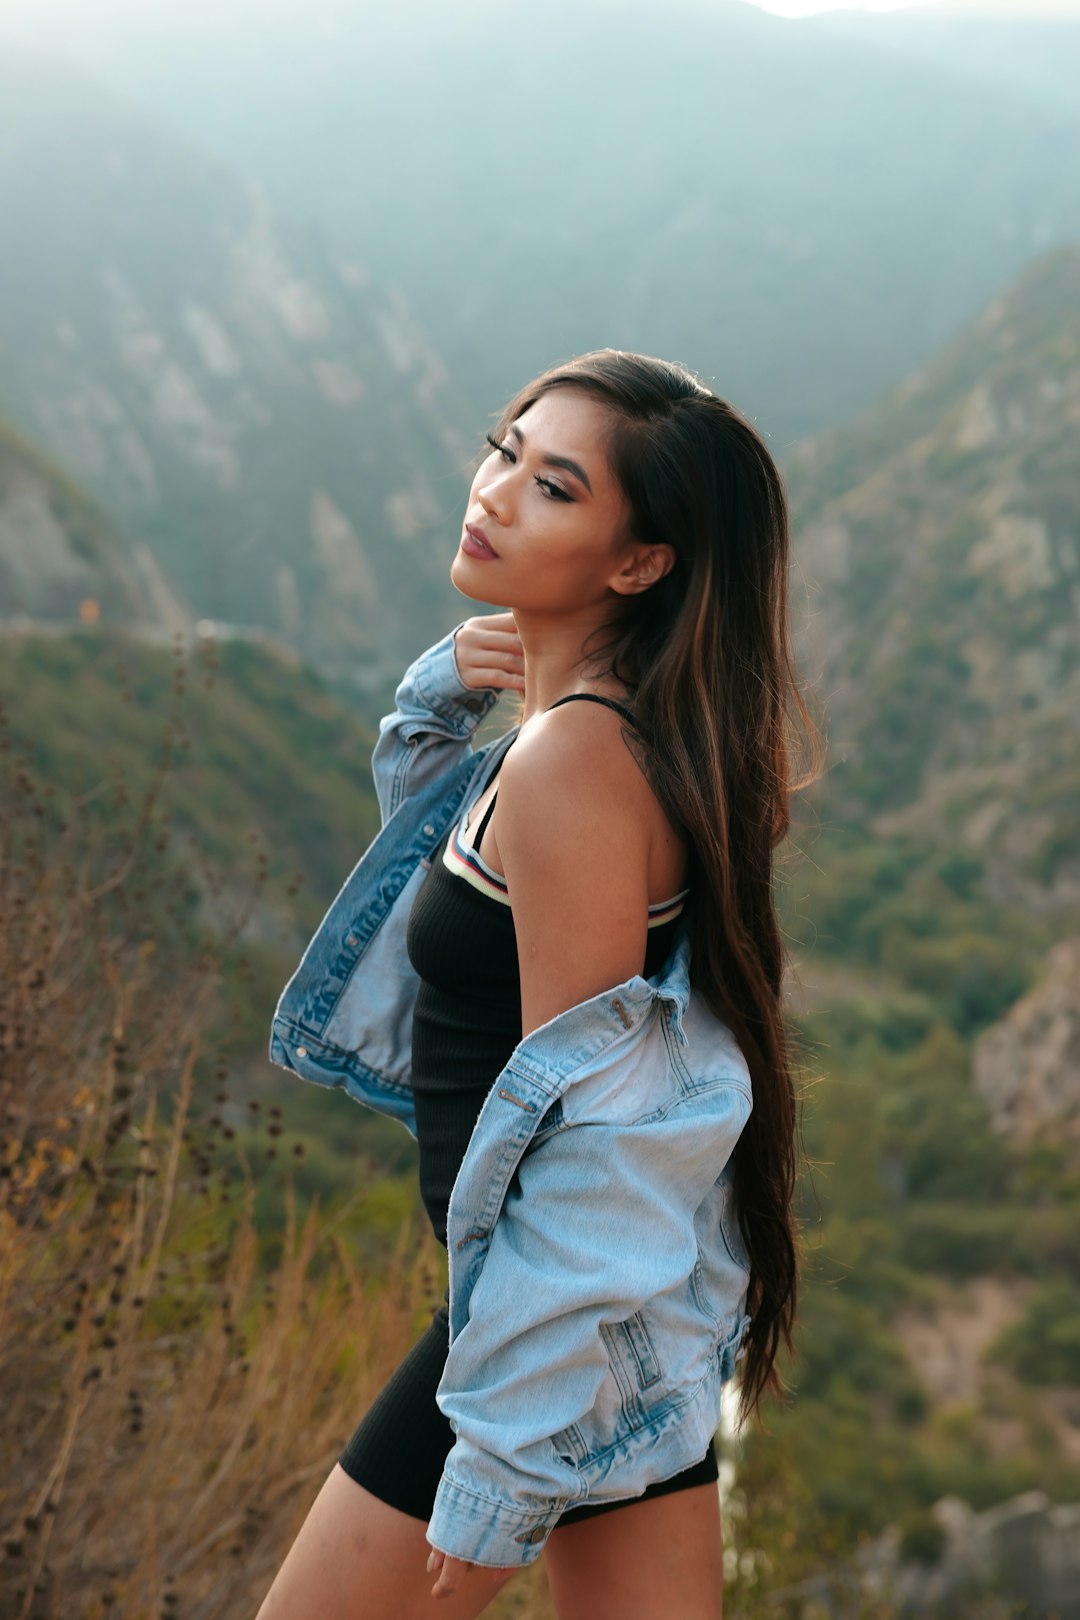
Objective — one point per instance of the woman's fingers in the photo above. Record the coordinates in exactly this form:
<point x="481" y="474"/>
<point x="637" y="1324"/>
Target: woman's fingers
<point x="451" y="1573"/>
<point x="503" y="620"/>
<point x="500" y="643"/>
<point x="501" y="677"/>
<point x="490" y="654"/>
<point x="454" y="1572"/>
<point x="495" y="624"/>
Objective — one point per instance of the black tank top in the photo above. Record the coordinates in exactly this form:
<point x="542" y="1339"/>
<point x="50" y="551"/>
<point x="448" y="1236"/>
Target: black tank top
<point x="467" y="1015"/>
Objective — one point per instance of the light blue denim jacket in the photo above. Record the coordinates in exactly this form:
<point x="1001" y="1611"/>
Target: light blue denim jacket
<point x="597" y="1274"/>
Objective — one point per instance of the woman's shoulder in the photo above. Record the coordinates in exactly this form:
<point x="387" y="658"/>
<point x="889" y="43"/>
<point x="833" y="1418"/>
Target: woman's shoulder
<point x="583" y="722"/>
<point x="574" y="842"/>
<point x="571" y="782"/>
<point x="578" y="753"/>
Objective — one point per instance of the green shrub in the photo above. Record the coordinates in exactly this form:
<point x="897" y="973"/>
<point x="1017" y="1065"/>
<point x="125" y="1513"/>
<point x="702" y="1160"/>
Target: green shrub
<point x="974" y="976"/>
<point x="942" y="1136"/>
<point x="959" y="1240"/>
<point x="962" y="872"/>
<point x="922" y="1537"/>
<point x="1044" y="1243"/>
<point x="1043" y="1347"/>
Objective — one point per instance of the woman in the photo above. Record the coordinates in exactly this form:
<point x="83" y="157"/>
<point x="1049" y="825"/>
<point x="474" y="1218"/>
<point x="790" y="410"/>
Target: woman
<point x="528" y="915"/>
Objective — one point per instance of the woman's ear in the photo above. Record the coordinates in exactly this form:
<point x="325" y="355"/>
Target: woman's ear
<point x="644" y="567"/>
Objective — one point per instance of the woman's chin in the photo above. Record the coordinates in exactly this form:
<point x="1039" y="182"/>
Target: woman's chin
<point x="464" y="579"/>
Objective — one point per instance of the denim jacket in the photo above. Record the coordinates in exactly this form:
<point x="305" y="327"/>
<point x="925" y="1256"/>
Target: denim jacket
<point x="597" y="1275"/>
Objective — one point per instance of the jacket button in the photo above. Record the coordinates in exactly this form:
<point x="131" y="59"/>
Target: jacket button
<point x="538" y="1534"/>
<point x="301" y="1051"/>
<point x="351" y="940"/>
<point x="429" y="829"/>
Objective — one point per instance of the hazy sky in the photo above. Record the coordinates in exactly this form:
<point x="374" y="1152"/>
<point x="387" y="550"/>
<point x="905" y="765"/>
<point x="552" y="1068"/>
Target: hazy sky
<point x="782" y="8"/>
<point x="55" y="10"/>
<point x="1017" y="8"/>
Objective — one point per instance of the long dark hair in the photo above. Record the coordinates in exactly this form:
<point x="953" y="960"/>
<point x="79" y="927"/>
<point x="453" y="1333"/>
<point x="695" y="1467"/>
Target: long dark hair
<point x="707" y="653"/>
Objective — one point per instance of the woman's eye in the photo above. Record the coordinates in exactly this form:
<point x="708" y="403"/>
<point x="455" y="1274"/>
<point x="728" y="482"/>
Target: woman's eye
<point x="501" y="448"/>
<point x="545" y="483"/>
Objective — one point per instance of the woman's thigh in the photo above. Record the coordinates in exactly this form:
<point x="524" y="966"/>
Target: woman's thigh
<point x="661" y="1559"/>
<point x="357" y="1558"/>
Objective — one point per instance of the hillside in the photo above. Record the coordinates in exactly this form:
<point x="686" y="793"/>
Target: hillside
<point x="254" y="773"/>
<point x="255" y="748"/>
<point x="930" y="903"/>
<point x="939" y="547"/>
<point x="61" y="555"/>
<point x="248" y="399"/>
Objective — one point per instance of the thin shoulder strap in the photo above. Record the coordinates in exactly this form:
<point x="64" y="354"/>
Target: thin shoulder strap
<point x="595" y="697"/>
<point x="479" y="839"/>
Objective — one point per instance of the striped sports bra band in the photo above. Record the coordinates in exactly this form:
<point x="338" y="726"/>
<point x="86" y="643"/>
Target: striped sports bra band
<point x="464" y="861"/>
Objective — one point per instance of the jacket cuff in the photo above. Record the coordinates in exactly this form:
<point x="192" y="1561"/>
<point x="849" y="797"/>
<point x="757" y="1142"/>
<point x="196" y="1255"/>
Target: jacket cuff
<point x="478" y="1531"/>
<point x="440" y="686"/>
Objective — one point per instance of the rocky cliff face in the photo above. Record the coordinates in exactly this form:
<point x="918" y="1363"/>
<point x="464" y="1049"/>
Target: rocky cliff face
<point x="1025" y="1550"/>
<point x="958" y="1563"/>
<point x="63" y="560"/>
<point x="265" y="414"/>
<point x="1027" y="1067"/>
<point x="938" y="540"/>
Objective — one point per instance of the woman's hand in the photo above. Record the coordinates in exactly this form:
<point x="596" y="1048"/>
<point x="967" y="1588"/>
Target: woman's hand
<point x="488" y="652"/>
<point x="453" y="1573"/>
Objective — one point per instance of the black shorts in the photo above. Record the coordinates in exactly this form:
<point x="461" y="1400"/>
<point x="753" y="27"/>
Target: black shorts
<point x="398" y="1450"/>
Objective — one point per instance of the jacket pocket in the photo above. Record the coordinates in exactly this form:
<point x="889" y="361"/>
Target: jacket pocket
<point x="570" y="1447"/>
<point x="722" y="1268"/>
<point x="729" y="1222"/>
<point x="632" y="1354"/>
<point x="730" y="1350"/>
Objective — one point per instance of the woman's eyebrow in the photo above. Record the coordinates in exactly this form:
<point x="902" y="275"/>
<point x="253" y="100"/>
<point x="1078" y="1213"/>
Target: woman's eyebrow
<point x="556" y="461"/>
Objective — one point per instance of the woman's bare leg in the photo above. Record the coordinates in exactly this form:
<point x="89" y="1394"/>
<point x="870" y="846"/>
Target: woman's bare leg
<point x="657" y="1560"/>
<point x="357" y="1558"/>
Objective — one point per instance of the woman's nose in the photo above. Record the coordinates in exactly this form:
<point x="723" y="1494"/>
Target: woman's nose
<point x="493" y="499"/>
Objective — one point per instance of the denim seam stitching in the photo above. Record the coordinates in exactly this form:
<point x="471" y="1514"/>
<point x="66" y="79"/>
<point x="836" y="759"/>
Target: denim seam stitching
<point x="502" y="1507"/>
<point x="647" y="1422"/>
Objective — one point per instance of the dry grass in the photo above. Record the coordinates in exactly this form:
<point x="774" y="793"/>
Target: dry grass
<point x="176" y="1384"/>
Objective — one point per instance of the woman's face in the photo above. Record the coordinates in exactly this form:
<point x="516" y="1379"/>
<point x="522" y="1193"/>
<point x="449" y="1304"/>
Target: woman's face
<point x="554" y="529"/>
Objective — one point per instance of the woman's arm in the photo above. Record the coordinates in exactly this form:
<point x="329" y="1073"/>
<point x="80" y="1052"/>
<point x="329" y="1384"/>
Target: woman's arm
<point x="574" y="845"/>
<point x="441" y="699"/>
<point x="599" y="1219"/>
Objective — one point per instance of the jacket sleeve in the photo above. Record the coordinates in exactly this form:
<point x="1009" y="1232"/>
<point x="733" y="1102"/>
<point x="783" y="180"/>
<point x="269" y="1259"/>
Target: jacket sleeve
<point x="434" y="717"/>
<point x="530" y="1359"/>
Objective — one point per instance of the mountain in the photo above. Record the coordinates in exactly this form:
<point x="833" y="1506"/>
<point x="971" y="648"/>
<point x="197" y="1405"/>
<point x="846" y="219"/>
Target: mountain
<point x="798" y="214"/>
<point x="263" y="412"/>
<point x="1035" y="56"/>
<point x="938" y="538"/>
<point x="932" y="905"/>
<point x="939" y="1318"/>
<point x="62" y="557"/>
